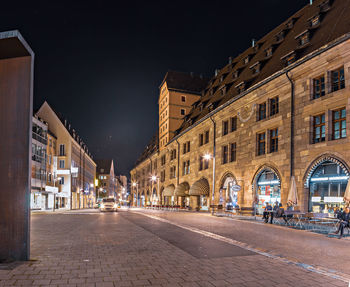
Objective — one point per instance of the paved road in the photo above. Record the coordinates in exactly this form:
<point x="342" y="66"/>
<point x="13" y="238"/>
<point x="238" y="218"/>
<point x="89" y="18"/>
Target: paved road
<point x="133" y="249"/>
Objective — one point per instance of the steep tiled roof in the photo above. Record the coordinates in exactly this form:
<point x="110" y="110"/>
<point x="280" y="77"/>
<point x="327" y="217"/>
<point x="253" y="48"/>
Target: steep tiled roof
<point x="151" y="148"/>
<point x="333" y="21"/>
<point x="103" y="166"/>
<point x="187" y="82"/>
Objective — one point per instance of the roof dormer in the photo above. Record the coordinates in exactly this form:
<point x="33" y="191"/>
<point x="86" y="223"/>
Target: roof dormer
<point x="280" y="36"/>
<point x="303" y="38"/>
<point x="255" y="68"/>
<point x="325" y="6"/>
<point x="269" y="52"/>
<point x="241" y="87"/>
<point x="289" y="58"/>
<point x="315" y="21"/>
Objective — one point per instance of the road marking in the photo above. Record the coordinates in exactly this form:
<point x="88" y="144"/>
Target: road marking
<point x="326" y="272"/>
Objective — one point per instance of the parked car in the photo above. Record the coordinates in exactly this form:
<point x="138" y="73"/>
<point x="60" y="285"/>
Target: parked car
<point x="108" y="204"/>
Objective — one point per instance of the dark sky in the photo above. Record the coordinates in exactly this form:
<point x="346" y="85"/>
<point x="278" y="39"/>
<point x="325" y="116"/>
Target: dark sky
<point x="100" y="63"/>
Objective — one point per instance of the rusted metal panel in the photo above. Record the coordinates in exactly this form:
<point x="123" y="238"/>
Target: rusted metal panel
<point x="16" y="104"/>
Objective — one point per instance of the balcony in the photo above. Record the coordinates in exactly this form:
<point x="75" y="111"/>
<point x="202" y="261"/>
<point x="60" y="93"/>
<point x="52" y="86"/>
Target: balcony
<point x="39" y="138"/>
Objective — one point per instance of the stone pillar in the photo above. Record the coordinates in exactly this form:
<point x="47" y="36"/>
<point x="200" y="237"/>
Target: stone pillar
<point x="16" y="105"/>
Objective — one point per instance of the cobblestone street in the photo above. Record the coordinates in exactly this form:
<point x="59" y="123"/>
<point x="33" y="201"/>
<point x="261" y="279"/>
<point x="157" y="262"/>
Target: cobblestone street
<point x="130" y="249"/>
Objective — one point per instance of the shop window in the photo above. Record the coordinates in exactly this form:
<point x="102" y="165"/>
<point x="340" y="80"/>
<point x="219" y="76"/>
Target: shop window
<point x="261" y="143"/>
<point x="339" y="123"/>
<point x="327" y="188"/>
<point x="319" y="129"/>
<point x="206" y="138"/>
<point x="224" y="128"/>
<point x="274" y="106"/>
<point x="319" y="87"/>
<point x="261" y="112"/>
<point x="224" y="155"/>
<point x="338" y="79"/>
<point x="273" y="140"/>
<point x="233" y="124"/>
<point x="232" y="152"/>
<point x="268" y="189"/>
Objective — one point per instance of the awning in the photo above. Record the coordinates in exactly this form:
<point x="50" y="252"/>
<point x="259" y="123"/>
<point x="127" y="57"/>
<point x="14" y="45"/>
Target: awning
<point x="169" y="190"/>
<point x="182" y="189"/>
<point x="200" y="187"/>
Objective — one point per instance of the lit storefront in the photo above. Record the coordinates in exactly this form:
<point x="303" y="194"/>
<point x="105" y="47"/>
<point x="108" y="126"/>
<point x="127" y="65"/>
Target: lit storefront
<point x="327" y="187"/>
<point x="199" y="193"/>
<point x="268" y="189"/>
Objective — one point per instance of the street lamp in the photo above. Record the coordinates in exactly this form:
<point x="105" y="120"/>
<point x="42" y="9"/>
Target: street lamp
<point x="207" y="157"/>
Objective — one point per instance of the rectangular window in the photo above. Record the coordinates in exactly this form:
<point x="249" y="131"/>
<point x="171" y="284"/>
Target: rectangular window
<point x="274" y="106"/>
<point x="261" y="143"/>
<point x="206" y="139"/>
<point x="274" y="140"/>
<point x="224" y="156"/>
<point x="203" y="163"/>
<point x="319" y="87"/>
<point x="184" y="148"/>
<point x="61" y="164"/>
<point x="233" y="124"/>
<point x="261" y="111"/>
<point x="232" y="152"/>
<point x="319" y="130"/>
<point x="188" y="146"/>
<point x="201" y="141"/>
<point x="338" y="79"/>
<point x="183" y="111"/>
<point x="62" y="153"/>
<point x="224" y="128"/>
<point x="163" y="160"/>
<point x="186" y="167"/>
<point x="183" y="99"/>
<point x="339" y="124"/>
<point x="61" y="180"/>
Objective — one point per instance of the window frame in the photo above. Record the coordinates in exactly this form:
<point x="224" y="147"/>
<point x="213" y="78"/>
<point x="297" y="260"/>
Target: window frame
<point x="261" y="141"/>
<point x="340" y="121"/>
<point x="274" y="140"/>
<point x="320" y="125"/>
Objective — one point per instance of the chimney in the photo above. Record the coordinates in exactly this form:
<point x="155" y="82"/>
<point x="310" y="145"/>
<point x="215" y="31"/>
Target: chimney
<point x="230" y="60"/>
<point x="253" y="43"/>
<point x="216" y="72"/>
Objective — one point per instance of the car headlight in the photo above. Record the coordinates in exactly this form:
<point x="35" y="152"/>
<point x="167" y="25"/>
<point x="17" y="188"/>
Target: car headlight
<point x="102" y="205"/>
<point x="115" y="205"/>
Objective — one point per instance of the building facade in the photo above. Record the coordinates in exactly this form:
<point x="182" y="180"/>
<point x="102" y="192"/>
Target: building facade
<point x="107" y="181"/>
<point x="276" y="113"/>
<point x="76" y="170"/>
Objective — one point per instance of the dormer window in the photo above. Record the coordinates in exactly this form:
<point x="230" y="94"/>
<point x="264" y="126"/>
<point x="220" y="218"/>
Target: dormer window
<point x="325" y="6"/>
<point x="303" y="38"/>
<point x="289" y="59"/>
<point x="290" y="24"/>
<point x="280" y="36"/>
<point x="246" y="60"/>
<point x="268" y="52"/>
<point x="221" y="78"/>
<point x="241" y="87"/>
<point x="223" y="91"/>
<point x="235" y="74"/>
<point x="314" y="21"/>
<point x="256" y="68"/>
<point x="210" y="107"/>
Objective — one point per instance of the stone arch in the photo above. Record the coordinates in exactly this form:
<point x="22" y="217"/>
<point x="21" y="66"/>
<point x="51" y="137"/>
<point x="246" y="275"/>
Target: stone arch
<point x="321" y="159"/>
<point x="265" y="167"/>
<point x="226" y="175"/>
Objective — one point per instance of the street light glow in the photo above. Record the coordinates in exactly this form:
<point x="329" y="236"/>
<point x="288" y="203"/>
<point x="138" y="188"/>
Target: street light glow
<point x="207" y="156"/>
<point x="134" y="184"/>
<point x="153" y="178"/>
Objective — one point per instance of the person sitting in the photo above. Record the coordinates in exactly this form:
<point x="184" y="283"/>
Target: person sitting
<point x="280" y="211"/>
<point x="344" y="220"/>
<point x="268" y="209"/>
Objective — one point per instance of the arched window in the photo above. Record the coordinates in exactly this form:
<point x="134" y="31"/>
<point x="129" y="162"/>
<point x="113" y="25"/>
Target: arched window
<point x="268" y="189"/>
<point x="327" y="186"/>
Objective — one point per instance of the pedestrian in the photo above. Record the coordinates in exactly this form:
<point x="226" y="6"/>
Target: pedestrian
<point x="343" y="222"/>
<point x="267" y="211"/>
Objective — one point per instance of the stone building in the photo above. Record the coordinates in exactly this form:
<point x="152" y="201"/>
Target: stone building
<point x="76" y="169"/>
<point x="278" y="111"/>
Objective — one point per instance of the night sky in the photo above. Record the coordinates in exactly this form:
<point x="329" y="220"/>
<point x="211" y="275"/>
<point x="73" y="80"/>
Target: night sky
<point x="100" y="64"/>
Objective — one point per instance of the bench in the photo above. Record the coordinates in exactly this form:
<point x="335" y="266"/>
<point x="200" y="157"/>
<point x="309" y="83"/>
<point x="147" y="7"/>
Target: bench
<point x="246" y="211"/>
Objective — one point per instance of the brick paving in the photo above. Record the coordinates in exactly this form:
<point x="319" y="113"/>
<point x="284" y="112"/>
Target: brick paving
<point x="110" y="250"/>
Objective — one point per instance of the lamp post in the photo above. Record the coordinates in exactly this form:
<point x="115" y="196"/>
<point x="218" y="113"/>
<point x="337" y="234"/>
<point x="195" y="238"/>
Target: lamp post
<point x="208" y="157"/>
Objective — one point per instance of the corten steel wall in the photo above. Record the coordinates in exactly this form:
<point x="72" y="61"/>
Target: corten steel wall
<point x="16" y="97"/>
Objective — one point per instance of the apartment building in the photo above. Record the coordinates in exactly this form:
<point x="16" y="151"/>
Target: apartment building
<point x="76" y="170"/>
